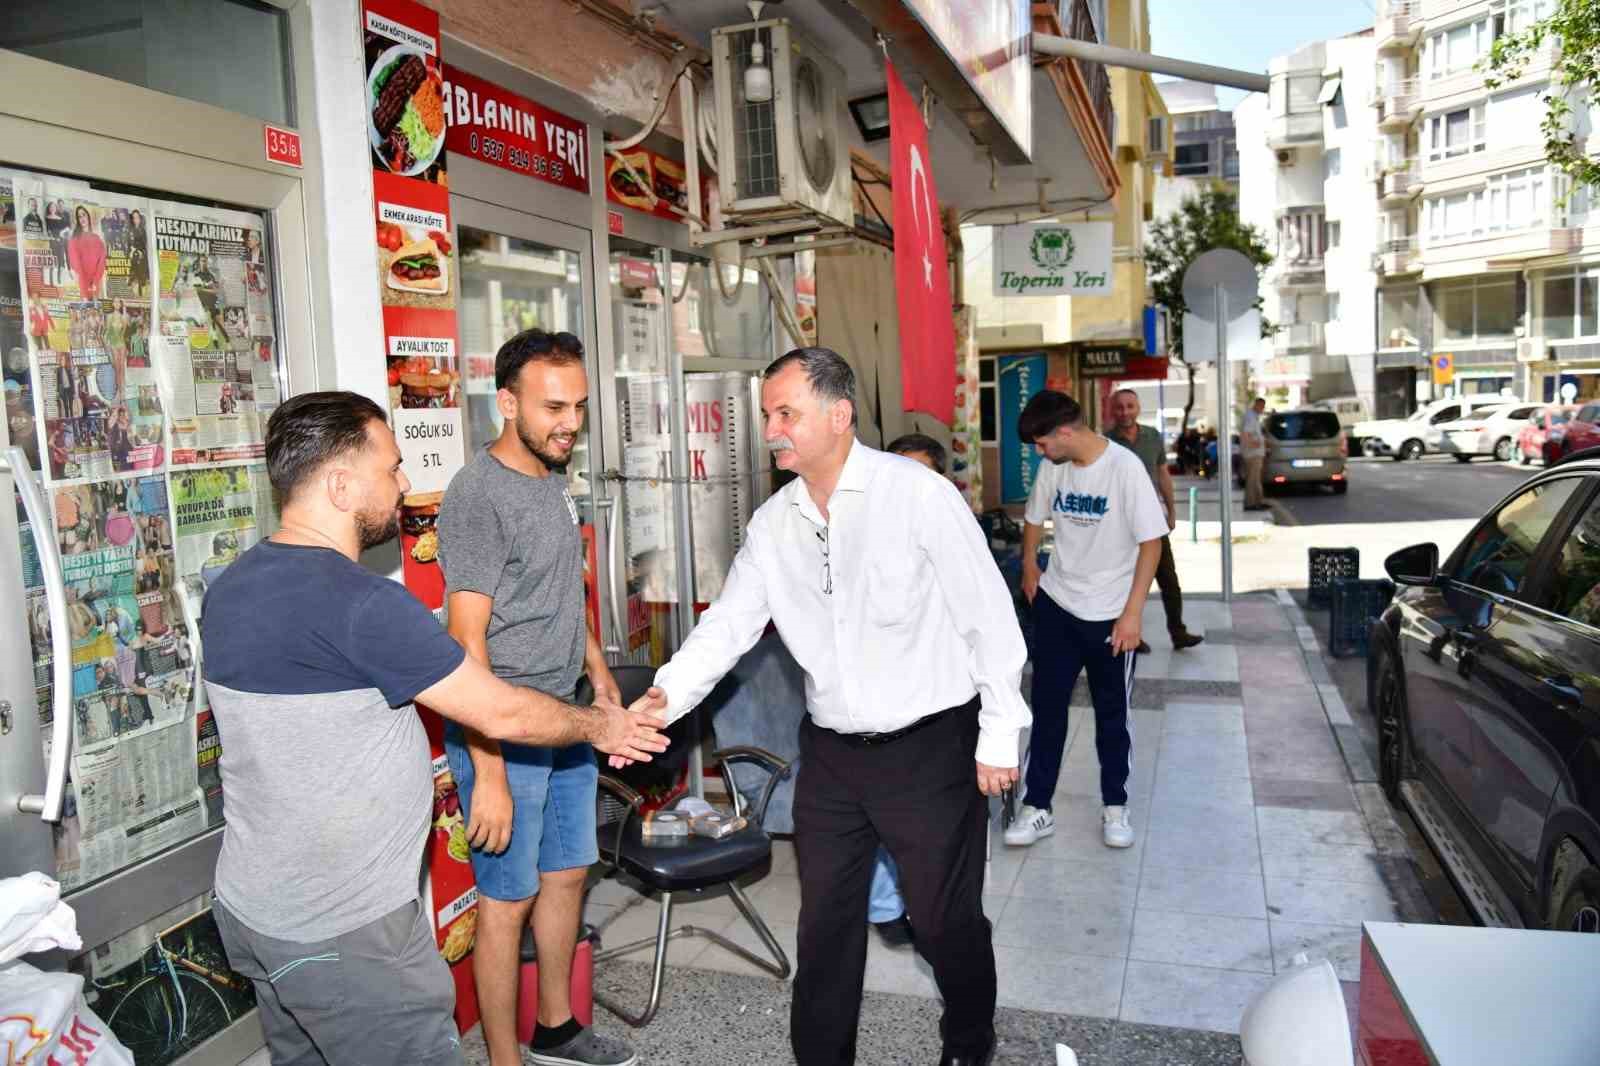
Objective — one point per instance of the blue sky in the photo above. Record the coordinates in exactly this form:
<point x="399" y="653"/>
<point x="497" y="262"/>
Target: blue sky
<point x="1245" y="34"/>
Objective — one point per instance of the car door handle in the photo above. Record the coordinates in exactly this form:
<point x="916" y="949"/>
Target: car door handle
<point x="1563" y="689"/>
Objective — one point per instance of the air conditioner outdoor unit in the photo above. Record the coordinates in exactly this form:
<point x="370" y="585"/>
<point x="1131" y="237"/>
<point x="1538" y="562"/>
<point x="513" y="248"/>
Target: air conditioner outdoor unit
<point x="1531" y="350"/>
<point x="1156" y="144"/>
<point x="1285" y="157"/>
<point x="785" y="157"/>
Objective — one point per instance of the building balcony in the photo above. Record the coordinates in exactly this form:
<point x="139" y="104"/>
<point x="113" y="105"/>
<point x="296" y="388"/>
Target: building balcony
<point x="1302" y="273"/>
<point x="1397" y="27"/>
<point x="1399" y="103"/>
<point x="1397" y="256"/>
<point x="1078" y="25"/>
<point x="1294" y="128"/>
<point x="1399" y="183"/>
<point x="1299" y="338"/>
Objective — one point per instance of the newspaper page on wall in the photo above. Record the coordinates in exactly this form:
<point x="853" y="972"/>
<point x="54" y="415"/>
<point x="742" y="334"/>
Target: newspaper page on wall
<point x="86" y="280"/>
<point x="135" y="787"/>
<point x="214" y="337"/>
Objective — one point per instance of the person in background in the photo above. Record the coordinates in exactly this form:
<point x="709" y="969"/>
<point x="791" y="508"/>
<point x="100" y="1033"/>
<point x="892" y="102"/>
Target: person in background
<point x="1253" y="450"/>
<point x="512" y="555"/>
<point x="58" y="226"/>
<point x="882" y="587"/>
<point x="1087" y="605"/>
<point x="1146" y="443"/>
<point x="317" y="884"/>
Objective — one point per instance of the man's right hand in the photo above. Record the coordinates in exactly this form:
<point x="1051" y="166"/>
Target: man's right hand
<point x="630" y="736"/>
<point x="490" y="827"/>
<point x="1030" y="581"/>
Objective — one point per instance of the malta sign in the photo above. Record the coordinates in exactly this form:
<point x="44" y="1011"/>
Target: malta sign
<point x="1053" y="259"/>
<point x="1103" y="362"/>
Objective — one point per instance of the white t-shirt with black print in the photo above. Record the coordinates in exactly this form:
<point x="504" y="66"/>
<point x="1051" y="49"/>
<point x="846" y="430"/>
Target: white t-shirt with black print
<point x="1102" y="513"/>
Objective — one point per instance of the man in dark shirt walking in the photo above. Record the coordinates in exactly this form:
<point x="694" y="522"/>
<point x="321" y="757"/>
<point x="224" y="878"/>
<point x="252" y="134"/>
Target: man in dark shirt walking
<point x="1146" y="442"/>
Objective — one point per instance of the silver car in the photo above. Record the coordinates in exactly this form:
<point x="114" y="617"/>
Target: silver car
<point x="1304" y="447"/>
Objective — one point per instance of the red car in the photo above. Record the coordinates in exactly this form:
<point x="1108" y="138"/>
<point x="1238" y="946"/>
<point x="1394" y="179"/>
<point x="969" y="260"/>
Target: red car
<point x="1535" y="436"/>
<point x="1580" y="431"/>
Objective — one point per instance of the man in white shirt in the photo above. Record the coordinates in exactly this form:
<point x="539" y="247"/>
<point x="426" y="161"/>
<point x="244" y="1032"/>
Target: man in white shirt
<point x="1087" y="603"/>
<point x="883" y="589"/>
<point x="1253" y="450"/>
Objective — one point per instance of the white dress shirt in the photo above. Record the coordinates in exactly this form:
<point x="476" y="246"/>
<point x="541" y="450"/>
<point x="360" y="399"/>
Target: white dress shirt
<point x="918" y="618"/>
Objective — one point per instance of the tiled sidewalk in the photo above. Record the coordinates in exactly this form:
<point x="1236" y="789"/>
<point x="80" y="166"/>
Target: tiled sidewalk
<point x="1251" y="848"/>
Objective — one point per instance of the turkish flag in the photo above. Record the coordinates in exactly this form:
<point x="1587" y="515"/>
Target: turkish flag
<point x="921" y="275"/>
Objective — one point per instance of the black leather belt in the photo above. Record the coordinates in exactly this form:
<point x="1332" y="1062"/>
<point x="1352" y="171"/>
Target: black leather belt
<point x="868" y="740"/>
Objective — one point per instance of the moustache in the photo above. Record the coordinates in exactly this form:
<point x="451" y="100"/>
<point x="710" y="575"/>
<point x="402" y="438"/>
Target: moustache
<point x="781" y="444"/>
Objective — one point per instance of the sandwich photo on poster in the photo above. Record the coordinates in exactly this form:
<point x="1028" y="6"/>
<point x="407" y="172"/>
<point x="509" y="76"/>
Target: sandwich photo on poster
<point x="416" y="257"/>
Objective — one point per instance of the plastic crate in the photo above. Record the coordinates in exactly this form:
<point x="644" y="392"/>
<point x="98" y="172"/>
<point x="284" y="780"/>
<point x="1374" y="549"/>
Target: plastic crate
<point x="1328" y="565"/>
<point x="1354" y="606"/>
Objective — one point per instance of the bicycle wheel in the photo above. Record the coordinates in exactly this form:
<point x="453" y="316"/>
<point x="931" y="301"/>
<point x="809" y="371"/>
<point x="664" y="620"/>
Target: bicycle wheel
<point x="208" y="1013"/>
<point x="146" y="1020"/>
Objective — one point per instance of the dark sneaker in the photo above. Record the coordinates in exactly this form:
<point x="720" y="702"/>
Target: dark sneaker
<point x="896" y="932"/>
<point x="588" y="1048"/>
<point x="1186" y="639"/>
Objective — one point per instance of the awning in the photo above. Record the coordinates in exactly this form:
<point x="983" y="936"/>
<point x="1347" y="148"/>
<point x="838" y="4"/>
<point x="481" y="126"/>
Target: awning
<point x="1330" y="92"/>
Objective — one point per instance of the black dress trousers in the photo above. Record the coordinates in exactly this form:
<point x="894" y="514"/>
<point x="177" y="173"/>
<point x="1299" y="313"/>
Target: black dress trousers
<point x="919" y="795"/>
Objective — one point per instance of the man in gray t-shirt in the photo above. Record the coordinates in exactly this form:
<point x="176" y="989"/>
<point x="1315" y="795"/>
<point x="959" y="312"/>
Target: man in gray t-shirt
<point x="512" y="554"/>
<point x="1147" y="443"/>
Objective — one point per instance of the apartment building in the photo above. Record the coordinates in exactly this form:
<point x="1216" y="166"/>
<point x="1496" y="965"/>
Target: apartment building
<point x="1205" y="148"/>
<point x="1484" y="252"/>
<point x="1307" y="153"/>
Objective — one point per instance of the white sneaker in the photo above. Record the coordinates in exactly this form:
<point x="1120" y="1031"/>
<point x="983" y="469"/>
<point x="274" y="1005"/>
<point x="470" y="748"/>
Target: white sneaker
<point x="1031" y="825"/>
<point x="1118" y="830"/>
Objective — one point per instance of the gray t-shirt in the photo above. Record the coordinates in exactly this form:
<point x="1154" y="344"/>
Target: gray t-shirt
<point x="515" y="539"/>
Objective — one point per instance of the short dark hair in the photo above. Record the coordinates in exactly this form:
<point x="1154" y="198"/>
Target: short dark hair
<point x="309" y="430"/>
<point x="534" y="346"/>
<point x="827" y="372"/>
<point x="1047" y="412"/>
<point x="919" y="442"/>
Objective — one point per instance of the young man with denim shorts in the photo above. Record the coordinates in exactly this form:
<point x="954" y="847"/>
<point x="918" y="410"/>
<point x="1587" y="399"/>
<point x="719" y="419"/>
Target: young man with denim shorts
<point x="512" y="554"/>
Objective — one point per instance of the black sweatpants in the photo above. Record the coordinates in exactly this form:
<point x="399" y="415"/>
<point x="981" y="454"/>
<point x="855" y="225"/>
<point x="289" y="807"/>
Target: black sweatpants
<point x="919" y="796"/>
<point x="1171" y="591"/>
<point x="1065" y="646"/>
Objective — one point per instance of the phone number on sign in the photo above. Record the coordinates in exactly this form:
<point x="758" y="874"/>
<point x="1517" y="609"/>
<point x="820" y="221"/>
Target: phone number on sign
<point x="496" y="151"/>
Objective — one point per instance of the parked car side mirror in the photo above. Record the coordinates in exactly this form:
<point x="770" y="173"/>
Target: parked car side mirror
<point x="1416" y="565"/>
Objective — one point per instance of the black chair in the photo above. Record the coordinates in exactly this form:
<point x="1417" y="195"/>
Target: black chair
<point x="690" y="867"/>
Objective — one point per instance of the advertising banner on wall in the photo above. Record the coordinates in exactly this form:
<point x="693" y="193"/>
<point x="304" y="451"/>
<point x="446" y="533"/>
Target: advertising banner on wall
<point x="991" y="44"/>
<point x="509" y="131"/>
<point x="1053" y="259"/>
<point x="409" y="108"/>
<point x="1021" y="377"/>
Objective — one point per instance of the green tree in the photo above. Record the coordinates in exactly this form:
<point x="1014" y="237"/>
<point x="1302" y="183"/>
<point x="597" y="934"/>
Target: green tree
<point x="1574" y="29"/>
<point x="1201" y="223"/>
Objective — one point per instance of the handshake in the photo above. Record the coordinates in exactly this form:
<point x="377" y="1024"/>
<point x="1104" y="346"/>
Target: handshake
<point x="629" y="735"/>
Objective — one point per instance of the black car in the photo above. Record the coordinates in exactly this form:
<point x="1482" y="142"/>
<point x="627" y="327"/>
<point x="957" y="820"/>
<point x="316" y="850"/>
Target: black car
<point x="1484" y="675"/>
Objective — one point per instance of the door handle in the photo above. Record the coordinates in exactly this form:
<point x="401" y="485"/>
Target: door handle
<point x="48" y="806"/>
<point x="613" y="536"/>
<point x="1466" y="644"/>
<point x="1563" y="689"/>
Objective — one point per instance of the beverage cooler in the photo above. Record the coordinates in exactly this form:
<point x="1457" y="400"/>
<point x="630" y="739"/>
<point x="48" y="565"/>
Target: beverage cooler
<point x="142" y="344"/>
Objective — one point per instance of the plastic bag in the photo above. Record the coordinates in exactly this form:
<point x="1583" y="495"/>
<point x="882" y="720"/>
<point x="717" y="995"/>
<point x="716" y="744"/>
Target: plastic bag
<point x="44" y="1020"/>
<point x="33" y="918"/>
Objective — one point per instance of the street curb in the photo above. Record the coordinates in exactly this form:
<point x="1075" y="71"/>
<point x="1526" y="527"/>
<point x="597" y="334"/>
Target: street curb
<point x="1395" y="860"/>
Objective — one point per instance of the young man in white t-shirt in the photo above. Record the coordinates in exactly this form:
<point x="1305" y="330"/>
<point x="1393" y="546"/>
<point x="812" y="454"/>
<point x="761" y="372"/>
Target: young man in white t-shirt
<point x="1086" y="605"/>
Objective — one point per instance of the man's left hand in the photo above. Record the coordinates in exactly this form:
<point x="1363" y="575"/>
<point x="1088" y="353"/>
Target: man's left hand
<point x="1125" y="634"/>
<point x="992" y="780"/>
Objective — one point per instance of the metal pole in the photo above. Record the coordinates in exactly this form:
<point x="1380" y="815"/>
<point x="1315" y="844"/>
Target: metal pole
<point x="1051" y="45"/>
<point x="1194" y="515"/>
<point x="678" y="426"/>
<point x="1225" y="443"/>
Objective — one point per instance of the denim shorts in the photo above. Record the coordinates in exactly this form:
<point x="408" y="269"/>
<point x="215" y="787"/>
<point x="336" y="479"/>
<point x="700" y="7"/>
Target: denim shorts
<point x="552" y="814"/>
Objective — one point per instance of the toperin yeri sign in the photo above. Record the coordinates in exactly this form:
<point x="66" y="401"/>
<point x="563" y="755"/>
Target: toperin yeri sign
<point x="1053" y="259"/>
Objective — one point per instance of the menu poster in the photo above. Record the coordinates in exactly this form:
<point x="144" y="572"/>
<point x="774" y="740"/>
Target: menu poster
<point x="662" y="176"/>
<point x="213" y="341"/>
<point x="419" y="277"/>
<point x="406" y="124"/>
